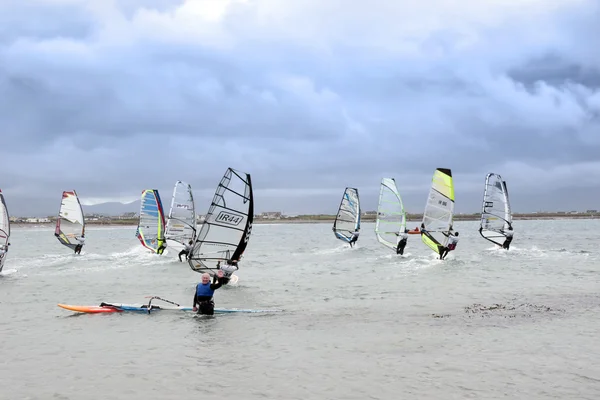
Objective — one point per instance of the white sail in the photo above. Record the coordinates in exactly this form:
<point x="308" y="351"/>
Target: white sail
<point x="496" y="216"/>
<point x="391" y="217"/>
<point x="70" y="223"/>
<point x="4" y="230"/>
<point x="228" y="223"/>
<point x="181" y="222"/>
<point x="348" y="215"/>
<point x="439" y="210"/>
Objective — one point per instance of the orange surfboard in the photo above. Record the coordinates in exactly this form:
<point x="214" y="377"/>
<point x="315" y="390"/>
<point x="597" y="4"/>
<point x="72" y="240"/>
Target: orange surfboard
<point x="89" y="309"/>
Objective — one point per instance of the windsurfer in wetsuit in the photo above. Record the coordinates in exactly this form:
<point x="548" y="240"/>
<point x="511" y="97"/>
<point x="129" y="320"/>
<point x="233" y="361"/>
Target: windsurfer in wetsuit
<point x="3" y="250"/>
<point x="354" y="237"/>
<point x="162" y="245"/>
<point x="452" y="241"/>
<point x="203" y="297"/>
<point x="228" y="268"/>
<point x="186" y="250"/>
<point x="402" y="239"/>
<point x="79" y="245"/>
<point x="509" y="237"/>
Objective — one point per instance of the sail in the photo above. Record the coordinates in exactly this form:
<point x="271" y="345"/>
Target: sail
<point x="4" y="229"/>
<point x="391" y="217"/>
<point x="348" y="215"/>
<point x="181" y="222"/>
<point x="70" y="223"/>
<point x="439" y="210"/>
<point x="227" y="224"/>
<point x="495" y="214"/>
<point x="151" y="225"/>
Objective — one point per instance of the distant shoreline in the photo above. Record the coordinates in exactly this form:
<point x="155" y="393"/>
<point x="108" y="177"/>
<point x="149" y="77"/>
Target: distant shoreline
<point x="324" y="219"/>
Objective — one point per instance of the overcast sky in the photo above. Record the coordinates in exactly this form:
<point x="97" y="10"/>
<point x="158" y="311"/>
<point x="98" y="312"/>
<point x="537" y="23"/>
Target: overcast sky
<point x="110" y="97"/>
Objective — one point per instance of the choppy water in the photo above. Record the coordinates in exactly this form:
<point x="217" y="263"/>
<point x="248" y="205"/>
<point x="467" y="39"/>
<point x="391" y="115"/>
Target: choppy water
<point x="358" y="323"/>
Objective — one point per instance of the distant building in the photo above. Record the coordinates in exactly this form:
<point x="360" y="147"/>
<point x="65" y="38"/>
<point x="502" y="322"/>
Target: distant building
<point x="37" y="220"/>
<point x="270" y="215"/>
<point x="127" y="215"/>
<point x="591" y="211"/>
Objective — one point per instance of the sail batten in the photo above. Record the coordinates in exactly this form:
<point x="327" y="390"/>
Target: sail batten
<point x="151" y="225"/>
<point x="391" y="216"/>
<point x="181" y="221"/>
<point x="439" y="210"/>
<point x="227" y="225"/>
<point x="496" y="215"/>
<point x="70" y="223"/>
<point x="347" y="219"/>
<point x="4" y="230"/>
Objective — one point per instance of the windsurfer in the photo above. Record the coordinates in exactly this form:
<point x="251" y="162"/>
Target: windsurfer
<point x="186" y="250"/>
<point x="162" y="245"/>
<point x="3" y="250"/>
<point x="452" y="241"/>
<point x="402" y="239"/>
<point x="203" y="297"/>
<point x="79" y="245"/>
<point x="229" y="267"/>
<point x="509" y="237"/>
<point x="354" y="237"/>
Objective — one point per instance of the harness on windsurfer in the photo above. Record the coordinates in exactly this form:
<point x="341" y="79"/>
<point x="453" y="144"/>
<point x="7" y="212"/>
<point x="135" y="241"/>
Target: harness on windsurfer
<point x="203" y="296"/>
<point x="402" y="239"/>
<point x="228" y="268"/>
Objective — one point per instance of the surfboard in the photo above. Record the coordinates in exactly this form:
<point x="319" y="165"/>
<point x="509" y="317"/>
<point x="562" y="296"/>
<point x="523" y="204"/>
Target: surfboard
<point x="119" y="307"/>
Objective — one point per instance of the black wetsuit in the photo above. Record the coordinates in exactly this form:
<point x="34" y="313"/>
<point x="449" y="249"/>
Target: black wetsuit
<point x="506" y="243"/>
<point x="206" y="305"/>
<point x="401" y="246"/>
<point x="184" y="252"/>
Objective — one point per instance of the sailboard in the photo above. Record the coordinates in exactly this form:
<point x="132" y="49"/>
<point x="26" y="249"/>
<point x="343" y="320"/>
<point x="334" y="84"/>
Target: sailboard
<point x="4" y="229"/>
<point x="439" y="211"/>
<point x="347" y="219"/>
<point x="181" y="221"/>
<point x="227" y="225"/>
<point x="151" y="225"/>
<point x="391" y="217"/>
<point x="149" y="308"/>
<point x="496" y="215"/>
<point x="70" y="223"/>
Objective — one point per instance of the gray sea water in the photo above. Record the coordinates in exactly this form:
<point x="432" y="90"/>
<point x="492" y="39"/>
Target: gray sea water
<point x="358" y="323"/>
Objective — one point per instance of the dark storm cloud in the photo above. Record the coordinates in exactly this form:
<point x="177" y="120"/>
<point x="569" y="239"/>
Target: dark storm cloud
<point x="113" y="97"/>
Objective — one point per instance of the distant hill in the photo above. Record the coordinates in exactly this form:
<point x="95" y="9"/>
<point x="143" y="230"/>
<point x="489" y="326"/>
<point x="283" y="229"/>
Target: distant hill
<point x="113" y="208"/>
